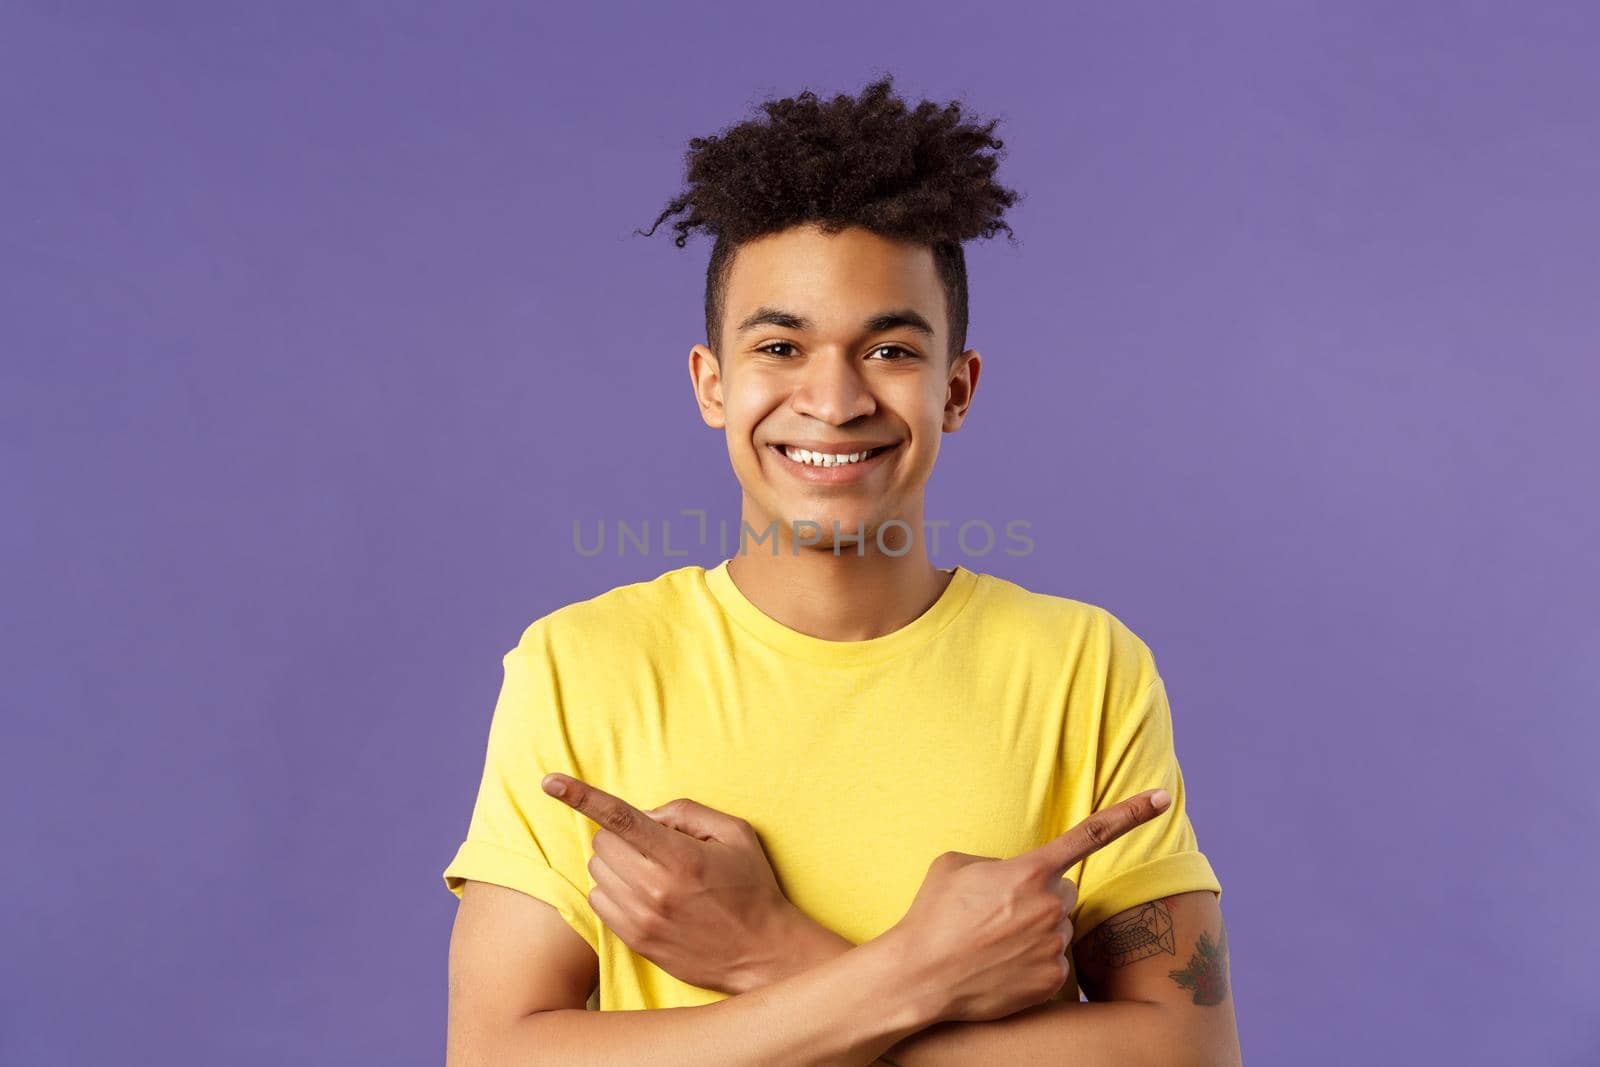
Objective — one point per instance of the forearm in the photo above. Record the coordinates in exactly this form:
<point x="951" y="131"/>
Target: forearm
<point x="1128" y="1033"/>
<point x="1122" y="1033"/>
<point x="841" y="1012"/>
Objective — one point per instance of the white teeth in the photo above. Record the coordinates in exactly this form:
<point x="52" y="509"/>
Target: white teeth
<point x="822" y="459"/>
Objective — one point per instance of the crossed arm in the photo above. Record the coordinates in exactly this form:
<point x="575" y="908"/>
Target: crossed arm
<point x="803" y="994"/>
<point x="1157" y="980"/>
<point x="1157" y="976"/>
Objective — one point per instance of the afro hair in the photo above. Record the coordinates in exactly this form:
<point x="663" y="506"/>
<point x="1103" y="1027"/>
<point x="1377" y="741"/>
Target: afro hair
<point x="918" y="174"/>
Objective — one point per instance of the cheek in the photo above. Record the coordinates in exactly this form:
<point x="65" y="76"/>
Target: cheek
<point x="744" y="414"/>
<point x="927" y="423"/>
<point x="740" y="429"/>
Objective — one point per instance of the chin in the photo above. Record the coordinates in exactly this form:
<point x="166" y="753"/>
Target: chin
<point x="866" y="525"/>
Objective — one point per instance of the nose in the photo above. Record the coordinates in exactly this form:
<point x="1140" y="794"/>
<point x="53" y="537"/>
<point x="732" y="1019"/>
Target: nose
<point x="831" y="389"/>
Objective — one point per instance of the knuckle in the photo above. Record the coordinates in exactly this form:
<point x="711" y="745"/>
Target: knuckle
<point x="618" y="820"/>
<point x="1097" y="831"/>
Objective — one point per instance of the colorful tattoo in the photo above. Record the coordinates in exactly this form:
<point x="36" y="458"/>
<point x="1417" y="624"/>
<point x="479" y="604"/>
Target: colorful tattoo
<point x="1207" y="973"/>
<point x="1145" y="933"/>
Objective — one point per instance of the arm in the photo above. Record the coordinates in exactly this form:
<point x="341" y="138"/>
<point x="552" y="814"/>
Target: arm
<point x="983" y="939"/>
<point x="1171" y="952"/>
<point x="1156" y="997"/>
<point x="519" y="978"/>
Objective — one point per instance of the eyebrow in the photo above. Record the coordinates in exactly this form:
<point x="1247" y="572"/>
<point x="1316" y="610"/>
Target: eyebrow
<point x="879" y="323"/>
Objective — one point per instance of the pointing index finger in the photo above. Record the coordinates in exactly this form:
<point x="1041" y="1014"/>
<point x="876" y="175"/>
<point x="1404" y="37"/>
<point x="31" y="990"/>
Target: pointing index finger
<point x="611" y="812"/>
<point x="1099" y="830"/>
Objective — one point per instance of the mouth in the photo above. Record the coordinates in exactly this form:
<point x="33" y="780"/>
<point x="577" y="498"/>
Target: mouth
<point x="794" y="455"/>
<point x="830" y="471"/>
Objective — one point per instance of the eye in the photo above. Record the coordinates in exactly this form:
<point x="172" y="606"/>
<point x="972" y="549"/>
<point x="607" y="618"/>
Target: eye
<point x="905" y="353"/>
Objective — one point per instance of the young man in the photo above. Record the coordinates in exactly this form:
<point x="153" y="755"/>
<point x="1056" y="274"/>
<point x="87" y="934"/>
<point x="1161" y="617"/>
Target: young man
<point x="902" y="812"/>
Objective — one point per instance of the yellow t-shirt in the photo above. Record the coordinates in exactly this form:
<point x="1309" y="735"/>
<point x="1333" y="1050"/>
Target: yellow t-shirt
<point x="994" y="721"/>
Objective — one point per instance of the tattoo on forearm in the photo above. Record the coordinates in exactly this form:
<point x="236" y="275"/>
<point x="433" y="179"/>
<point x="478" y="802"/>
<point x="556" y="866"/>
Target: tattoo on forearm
<point x="1207" y="973"/>
<point x="1147" y="932"/>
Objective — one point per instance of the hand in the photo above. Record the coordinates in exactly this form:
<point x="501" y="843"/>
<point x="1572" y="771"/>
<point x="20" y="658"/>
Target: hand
<point x="991" y="935"/>
<point x="684" y="885"/>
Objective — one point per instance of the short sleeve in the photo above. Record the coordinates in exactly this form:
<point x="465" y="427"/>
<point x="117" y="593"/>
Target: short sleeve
<point x="519" y="836"/>
<point x="1159" y="858"/>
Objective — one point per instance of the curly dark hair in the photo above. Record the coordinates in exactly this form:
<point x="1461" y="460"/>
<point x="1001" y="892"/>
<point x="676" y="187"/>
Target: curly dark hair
<point x="868" y="161"/>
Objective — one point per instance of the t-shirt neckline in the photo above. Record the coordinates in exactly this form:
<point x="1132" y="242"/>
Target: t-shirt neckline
<point x="819" y="650"/>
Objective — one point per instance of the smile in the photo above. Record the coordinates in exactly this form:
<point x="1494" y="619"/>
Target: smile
<point x="830" y="459"/>
<point x="830" y="467"/>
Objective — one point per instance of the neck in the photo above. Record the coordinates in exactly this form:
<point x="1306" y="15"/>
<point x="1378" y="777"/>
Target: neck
<point x="843" y="596"/>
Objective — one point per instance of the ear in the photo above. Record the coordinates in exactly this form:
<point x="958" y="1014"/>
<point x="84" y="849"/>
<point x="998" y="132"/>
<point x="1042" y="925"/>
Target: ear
<point x="705" y="375"/>
<point x="958" y="393"/>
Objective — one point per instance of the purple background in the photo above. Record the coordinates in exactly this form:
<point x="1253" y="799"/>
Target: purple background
<point x="322" y="324"/>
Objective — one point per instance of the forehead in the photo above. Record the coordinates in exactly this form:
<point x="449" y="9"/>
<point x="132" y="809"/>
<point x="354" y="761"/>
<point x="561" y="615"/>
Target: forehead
<point x="834" y="280"/>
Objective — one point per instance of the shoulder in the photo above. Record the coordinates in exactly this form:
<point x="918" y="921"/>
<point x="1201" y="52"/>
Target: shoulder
<point x="634" y="615"/>
<point x="1091" y="634"/>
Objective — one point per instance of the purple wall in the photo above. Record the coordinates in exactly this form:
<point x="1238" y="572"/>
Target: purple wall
<point x="321" y="326"/>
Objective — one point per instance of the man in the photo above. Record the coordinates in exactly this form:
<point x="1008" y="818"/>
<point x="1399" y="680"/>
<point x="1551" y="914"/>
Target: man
<point x="904" y="814"/>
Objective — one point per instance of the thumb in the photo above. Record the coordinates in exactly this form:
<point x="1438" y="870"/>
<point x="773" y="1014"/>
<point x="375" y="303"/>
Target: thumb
<point x="695" y="819"/>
